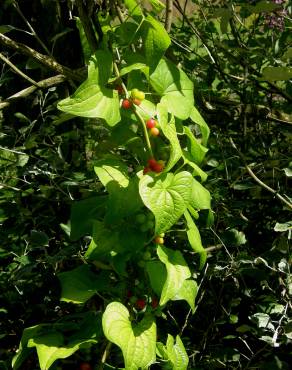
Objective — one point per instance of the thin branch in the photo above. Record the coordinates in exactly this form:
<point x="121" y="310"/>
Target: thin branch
<point x="17" y="70"/>
<point x="105" y="355"/>
<point x="168" y="15"/>
<point x="260" y="182"/>
<point x="87" y="25"/>
<point x="52" y="81"/>
<point x="33" y="33"/>
<point x="43" y="59"/>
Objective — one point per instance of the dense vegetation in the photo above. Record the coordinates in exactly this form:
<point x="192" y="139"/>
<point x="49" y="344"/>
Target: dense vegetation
<point x="145" y="155"/>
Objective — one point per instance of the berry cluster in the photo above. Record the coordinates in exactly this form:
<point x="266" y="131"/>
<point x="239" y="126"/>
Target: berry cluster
<point x="153" y="165"/>
<point x="136" y="98"/>
<point x="151" y="124"/>
<point x="159" y="239"/>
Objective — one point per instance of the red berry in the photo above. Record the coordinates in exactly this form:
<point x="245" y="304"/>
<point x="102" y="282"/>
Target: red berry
<point x="120" y="89"/>
<point x="137" y="101"/>
<point x="85" y="366"/>
<point x="152" y="162"/>
<point x="146" y="170"/>
<point x="127" y="104"/>
<point x="154" y="302"/>
<point x="154" y="131"/>
<point x="140" y="304"/>
<point x="158" y="167"/>
<point x="151" y="123"/>
<point x="129" y="294"/>
<point x="159" y="240"/>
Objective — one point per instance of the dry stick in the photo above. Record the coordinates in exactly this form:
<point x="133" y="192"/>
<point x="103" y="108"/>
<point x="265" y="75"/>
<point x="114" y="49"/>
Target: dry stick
<point x="105" y="355"/>
<point x="52" y="81"/>
<point x="168" y="15"/>
<point x="253" y="175"/>
<point x="43" y="59"/>
<point x="87" y="25"/>
<point x="33" y="33"/>
<point x="17" y="70"/>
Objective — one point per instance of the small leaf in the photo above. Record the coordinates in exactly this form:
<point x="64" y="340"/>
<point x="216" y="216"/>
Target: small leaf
<point x="276" y="74"/>
<point x="176" y="353"/>
<point x="155" y="41"/>
<point x="134" y="9"/>
<point x="195" y="239"/>
<point x="281" y="227"/>
<point x="167" y="197"/>
<point x="78" y="285"/>
<point x="188" y="292"/>
<point x="177" y="272"/>
<point x="195" y="149"/>
<point x="169" y="131"/>
<point x="201" y="198"/>
<point x="199" y="120"/>
<point x="136" y="342"/>
<point x="175" y="87"/>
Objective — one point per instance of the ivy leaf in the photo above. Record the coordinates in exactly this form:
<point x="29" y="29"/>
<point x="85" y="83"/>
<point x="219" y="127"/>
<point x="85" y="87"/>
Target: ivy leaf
<point x="78" y="285"/>
<point x="177" y="272"/>
<point x="195" y="239"/>
<point x="136" y="342"/>
<point x="50" y="347"/>
<point x="175" y="87"/>
<point x="195" y="149"/>
<point x="199" y="120"/>
<point x="156" y="40"/>
<point x="167" y="196"/>
<point x="111" y="169"/>
<point x="92" y="99"/>
<point x="176" y="353"/>
<point x="169" y="131"/>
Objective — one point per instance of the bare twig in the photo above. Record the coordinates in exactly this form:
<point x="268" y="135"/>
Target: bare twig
<point x="17" y="70"/>
<point x="260" y="182"/>
<point x="105" y="355"/>
<point x="87" y="25"/>
<point x="52" y="81"/>
<point x="43" y="59"/>
<point x="168" y="15"/>
<point x="33" y="33"/>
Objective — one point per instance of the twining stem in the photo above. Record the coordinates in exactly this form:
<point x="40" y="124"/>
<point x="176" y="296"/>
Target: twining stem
<point x="137" y="114"/>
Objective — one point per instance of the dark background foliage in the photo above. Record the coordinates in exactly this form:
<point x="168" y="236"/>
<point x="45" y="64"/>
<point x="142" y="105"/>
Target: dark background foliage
<point x="244" y="303"/>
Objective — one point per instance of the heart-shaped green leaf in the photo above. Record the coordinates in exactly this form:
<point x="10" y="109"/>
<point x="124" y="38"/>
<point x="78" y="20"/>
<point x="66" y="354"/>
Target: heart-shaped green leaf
<point x="167" y="197"/>
<point x="177" y="272"/>
<point x="136" y="342"/>
<point x="195" y="149"/>
<point x="92" y="99"/>
<point x="175" y="88"/>
<point x="201" y="198"/>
